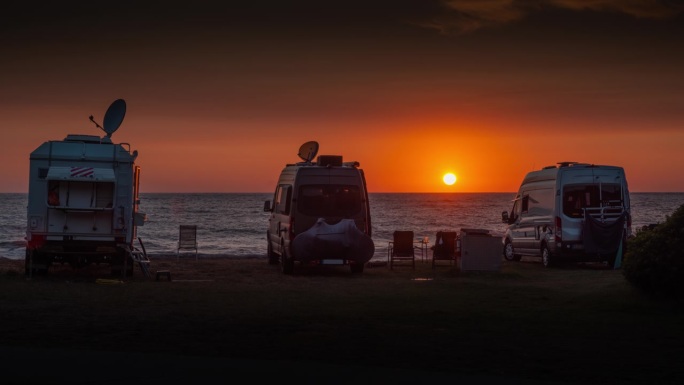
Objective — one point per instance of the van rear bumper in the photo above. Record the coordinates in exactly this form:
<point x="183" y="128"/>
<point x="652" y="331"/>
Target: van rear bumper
<point x="333" y="256"/>
<point x="574" y="252"/>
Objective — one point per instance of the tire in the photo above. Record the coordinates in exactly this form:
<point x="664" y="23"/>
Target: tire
<point x="356" y="268"/>
<point x="509" y="252"/>
<point x="547" y="257"/>
<point x="272" y="257"/>
<point x="38" y="260"/>
<point x="286" y="263"/>
<point x="27" y="262"/>
<point x="117" y="265"/>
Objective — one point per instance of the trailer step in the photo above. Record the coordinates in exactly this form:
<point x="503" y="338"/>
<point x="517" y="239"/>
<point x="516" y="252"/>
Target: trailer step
<point x="142" y="260"/>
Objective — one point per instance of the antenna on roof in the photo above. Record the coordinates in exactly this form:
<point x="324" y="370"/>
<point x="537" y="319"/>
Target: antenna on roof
<point x="308" y="151"/>
<point x="113" y="117"/>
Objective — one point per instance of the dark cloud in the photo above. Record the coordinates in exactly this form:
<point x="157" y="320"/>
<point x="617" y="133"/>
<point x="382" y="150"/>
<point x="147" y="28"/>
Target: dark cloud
<point x="272" y="15"/>
<point x="463" y="16"/>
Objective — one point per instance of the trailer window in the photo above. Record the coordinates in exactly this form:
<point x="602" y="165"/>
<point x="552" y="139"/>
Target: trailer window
<point x="329" y="200"/>
<point x="53" y="193"/>
<point x="578" y="197"/>
<point x="81" y="195"/>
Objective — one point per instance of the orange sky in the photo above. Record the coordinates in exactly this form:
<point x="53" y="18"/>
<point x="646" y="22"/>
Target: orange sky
<point x="220" y="97"/>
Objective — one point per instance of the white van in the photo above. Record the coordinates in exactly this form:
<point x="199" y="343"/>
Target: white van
<point x="574" y="212"/>
<point x="320" y="214"/>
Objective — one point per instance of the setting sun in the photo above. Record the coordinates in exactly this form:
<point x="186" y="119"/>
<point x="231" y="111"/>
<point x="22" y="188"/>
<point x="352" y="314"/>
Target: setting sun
<point x="449" y="178"/>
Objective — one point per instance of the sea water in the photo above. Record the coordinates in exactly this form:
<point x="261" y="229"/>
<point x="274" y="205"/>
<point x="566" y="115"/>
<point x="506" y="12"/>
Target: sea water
<point x="234" y="224"/>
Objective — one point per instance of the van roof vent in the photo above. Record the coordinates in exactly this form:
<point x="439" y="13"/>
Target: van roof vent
<point x="82" y="138"/>
<point x="566" y="164"/>
<point x="329" y="160"/>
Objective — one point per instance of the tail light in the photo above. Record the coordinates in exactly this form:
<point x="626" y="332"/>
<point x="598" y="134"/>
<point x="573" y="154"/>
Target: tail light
<point x="558" y="231"/>
<point x="35" y="241"/>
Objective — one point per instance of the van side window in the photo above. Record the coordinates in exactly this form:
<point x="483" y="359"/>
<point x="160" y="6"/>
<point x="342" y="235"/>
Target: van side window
<point x="282" y="203"/>
<point x="525" y="203"/>
<point x="515" y="211"/>
<point x="539" y="201"/>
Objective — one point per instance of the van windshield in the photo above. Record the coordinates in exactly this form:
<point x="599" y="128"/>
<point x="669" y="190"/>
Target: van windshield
<point x="329" y="200"/>
<point x="578" y="197"/>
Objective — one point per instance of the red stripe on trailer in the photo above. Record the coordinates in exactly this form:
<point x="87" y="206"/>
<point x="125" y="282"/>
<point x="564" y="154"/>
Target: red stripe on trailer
<point x="82" y="171"/>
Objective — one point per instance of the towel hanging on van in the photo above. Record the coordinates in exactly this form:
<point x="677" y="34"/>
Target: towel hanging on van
<point x="602" y="238"/>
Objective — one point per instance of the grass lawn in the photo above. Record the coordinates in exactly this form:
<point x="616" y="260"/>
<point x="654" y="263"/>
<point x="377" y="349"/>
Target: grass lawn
<point x="576" y="324"/>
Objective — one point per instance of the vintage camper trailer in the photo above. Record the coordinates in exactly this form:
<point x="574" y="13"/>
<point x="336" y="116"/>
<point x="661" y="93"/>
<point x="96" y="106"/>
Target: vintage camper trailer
<point x="569" y="212"/>
<point x="320" y="213"/>
<point x="83" y="201"/>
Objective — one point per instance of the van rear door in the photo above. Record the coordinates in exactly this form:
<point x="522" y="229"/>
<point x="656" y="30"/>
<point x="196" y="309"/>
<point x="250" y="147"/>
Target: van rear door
<point x="332" y="194"/>
<point x="597" y="191"/>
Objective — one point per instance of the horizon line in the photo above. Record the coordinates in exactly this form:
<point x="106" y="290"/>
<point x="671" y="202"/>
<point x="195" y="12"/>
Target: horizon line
<point x="370" y="192"/>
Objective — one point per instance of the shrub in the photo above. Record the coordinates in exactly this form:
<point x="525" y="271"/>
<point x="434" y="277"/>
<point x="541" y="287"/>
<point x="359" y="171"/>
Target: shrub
<point x="654" y="261"/>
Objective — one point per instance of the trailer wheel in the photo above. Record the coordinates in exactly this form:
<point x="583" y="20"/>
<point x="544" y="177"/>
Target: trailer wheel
<point x="40" y="263"/>
<point x="509" y="252"/>
<point x="27" y="263"/>
<point x="117" y="265"/>
<point x="286" y="263"/>
<point x="356" y="268"/>
<point x="547" y="258"/>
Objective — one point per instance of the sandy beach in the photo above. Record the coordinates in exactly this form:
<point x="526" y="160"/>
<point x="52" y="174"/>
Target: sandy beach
<point x="150" y="362"/>
<point x="221" y="318"/>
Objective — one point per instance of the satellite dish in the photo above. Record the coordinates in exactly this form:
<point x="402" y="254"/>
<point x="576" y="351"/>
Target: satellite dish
<point x="308" y="151"/>
<point x="114" y="116"/>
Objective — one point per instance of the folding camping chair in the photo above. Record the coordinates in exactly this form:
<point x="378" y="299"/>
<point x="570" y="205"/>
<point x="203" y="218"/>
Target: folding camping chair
<point x="187" y="239"/>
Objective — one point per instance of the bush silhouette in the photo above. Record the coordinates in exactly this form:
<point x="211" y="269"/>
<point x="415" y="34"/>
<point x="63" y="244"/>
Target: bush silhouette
<point x="654" y="261"/>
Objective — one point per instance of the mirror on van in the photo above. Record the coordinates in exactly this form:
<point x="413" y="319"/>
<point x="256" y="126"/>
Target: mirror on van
<point x="267" y="205"/>
<point x="504" y="216"/>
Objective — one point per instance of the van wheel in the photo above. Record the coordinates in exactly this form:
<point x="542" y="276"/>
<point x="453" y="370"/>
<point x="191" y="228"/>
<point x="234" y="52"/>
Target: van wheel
<point x="356" y="268"/>
<point x="272" y="257"/>
<point x="547" y="258"/>
<point x="286" y="263"/>
<point x="509" y="253"/>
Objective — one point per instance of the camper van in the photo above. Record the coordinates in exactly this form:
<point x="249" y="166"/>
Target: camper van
<point x="575" y="212"/>
<point x="83" y="201"/>
<point x="319" y="214"/>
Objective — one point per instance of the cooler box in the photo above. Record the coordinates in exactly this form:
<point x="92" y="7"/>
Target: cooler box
<point x="480" y="251"/>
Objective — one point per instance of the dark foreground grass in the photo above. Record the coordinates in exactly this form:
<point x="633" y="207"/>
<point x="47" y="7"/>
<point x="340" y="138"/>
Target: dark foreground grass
<point x="578" y="324"/>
